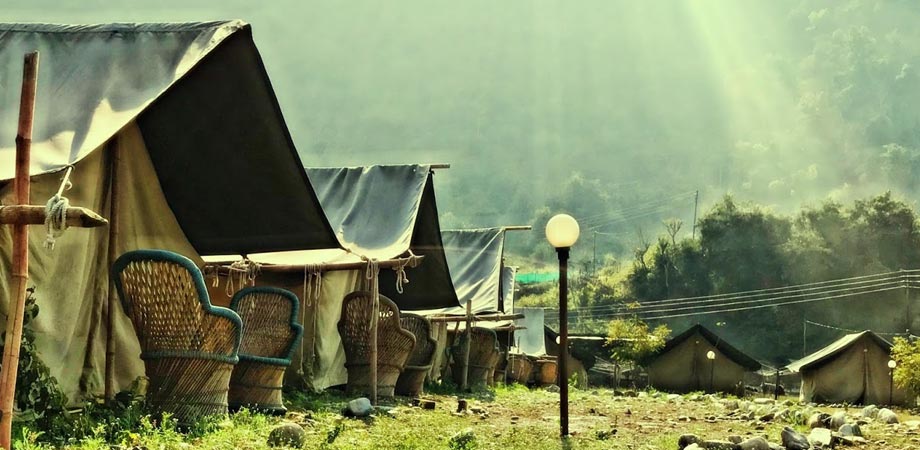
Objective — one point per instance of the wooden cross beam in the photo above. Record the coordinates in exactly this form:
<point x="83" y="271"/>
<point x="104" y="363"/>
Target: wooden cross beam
<point x="20" y="216"/>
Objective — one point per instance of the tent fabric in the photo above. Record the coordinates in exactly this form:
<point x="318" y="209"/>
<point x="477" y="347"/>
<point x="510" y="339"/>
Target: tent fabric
<point x="731" y="352"/>
<point x="684" y="367"/>
<point x="530" y="341"/>
<point x="475" y="260"/>
<point x="72" y="281"/>
<point x="506" y="303"/>
<point x="852" y="369"/>
<point x="205" y="107"/>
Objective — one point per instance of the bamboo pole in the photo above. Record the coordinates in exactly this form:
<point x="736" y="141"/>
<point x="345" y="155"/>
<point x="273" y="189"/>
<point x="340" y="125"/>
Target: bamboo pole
<point x="223" y="266"/>
<point x="35" y="215"/>
<point x="114" y="202"/>
<point x="475" y="318"/>
<point x="464" y="377"/>
<point x="517" y="228"/>
<point x="20" y="249"/>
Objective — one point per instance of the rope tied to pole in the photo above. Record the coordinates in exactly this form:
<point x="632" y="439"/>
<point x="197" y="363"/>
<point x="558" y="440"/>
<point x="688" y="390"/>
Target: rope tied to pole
<point x="312" y="273"/>
<point x="56" y="212"/>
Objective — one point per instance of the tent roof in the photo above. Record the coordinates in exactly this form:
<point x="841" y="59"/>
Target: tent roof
<point x="835" y="348"/>
<point x="731" y="352"/>
<point x="474" y="258"/>
<point x="209" y="117"/>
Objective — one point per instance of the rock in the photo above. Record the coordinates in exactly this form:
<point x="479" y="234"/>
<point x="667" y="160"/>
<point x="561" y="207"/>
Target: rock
<point x="465" y="438"/>
<point x="477" y="410"/>
<point x="427" y="404"/>
<point x="763" y="401"/>
<point x="768" y="417"/>
<point x="673" y="397"/>
<point x="359" y="407"/>
<point x="687" y="439"/>
<point x="818" y="420"/>
<point x="870" y="412"/>
<point x="461" y="405"/>
<point x="820" y="437"/>
<point x="886" y="415"/>
<point x="793" y="440"/>
<point x="756" y="443"/>
<point x="731" y="405"/>
<point x="848" y="429"/>
<point x="287" y="435"/>
<point x="552" y="388"/>
<point x="718" y="445"/>
<point x="852" y="440"/>
<point x="837" y="420"/>
<point x="735" y="439"/>
<point x="642" y="394"/>
<point x="693" y="447"/>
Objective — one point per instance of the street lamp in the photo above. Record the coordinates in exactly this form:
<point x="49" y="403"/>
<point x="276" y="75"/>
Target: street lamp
<point x="891" y="366"/>
<point x="562" y="233"/>
<point x="711" y="356"/>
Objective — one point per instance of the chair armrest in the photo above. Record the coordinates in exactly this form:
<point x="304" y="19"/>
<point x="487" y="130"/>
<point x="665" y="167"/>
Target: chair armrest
<point x="222" y="331"/>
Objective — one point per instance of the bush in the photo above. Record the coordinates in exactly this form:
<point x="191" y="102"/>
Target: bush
<point x="907" y="373"/>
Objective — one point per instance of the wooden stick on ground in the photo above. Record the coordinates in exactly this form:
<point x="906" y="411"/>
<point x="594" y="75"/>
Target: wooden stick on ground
<point x="20" y="249"/>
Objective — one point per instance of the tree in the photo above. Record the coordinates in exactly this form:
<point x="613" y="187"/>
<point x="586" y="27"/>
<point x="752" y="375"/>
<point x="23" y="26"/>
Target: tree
<point x="631" y="340"/>
<point x="907" y="355"/>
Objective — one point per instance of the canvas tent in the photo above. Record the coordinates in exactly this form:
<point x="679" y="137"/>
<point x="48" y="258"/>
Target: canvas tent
<point x="681" y="365"/>
<point x="387" y="214"/>
<point x="185" y="115"/>
<point x="852" y="369"/>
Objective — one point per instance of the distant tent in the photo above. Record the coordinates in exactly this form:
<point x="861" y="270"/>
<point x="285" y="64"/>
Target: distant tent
<point x="681" y="365"/>
<point x="206" y="165"/>
<point x="852" y="369"/>
<point x="380" y="213"/>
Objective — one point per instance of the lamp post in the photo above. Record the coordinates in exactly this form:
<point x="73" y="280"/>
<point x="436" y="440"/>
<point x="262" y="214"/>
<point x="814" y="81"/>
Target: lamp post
<point x="892" y="364"/>
<point x="562" y="232"/>
<point x="711" y="356"/>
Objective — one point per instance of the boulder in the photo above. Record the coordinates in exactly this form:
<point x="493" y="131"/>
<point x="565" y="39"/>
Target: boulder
<point x="286" y="435"/>
<point x="719" y="445"/>
<point x="735" y="439"/>
<point x="820" y="437"/>
<point x="837" y="420"/>
<point x="693" y="447"/>
<point x="552" y="388"/>
<point x="886" y="415"/>
<point x="686" y="440"/>
<point x="465" y="438"/>
<point x="793" y="440"/>
<point x="870" y="412"/>
<point x="756" y="443"/>
<point x="819" y="420"/>
<point x="849" y="429"/>
<point x="359" y="407"/>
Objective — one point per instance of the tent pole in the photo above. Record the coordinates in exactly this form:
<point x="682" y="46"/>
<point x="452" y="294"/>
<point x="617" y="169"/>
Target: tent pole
<point x="464" y="380"/>
<point x="20" y="249"/>
<point x="114" y="202"/>
<point x="375" y="316"/>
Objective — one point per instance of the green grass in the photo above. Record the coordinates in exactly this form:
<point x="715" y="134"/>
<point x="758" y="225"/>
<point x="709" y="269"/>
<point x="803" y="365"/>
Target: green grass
<point x="518" y="418"/>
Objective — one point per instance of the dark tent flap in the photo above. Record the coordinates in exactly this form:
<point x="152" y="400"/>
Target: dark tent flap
<point x="207" y="112"/>
<point x="430" y="284"/>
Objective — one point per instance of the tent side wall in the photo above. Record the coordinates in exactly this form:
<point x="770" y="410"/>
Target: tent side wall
<point x="685" y="368"/>
<point x="72" y="281"/>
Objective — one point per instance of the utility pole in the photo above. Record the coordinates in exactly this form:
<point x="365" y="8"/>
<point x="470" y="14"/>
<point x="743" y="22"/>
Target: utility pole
<point x="696" y="205"/>
<point x="594" y="270"/>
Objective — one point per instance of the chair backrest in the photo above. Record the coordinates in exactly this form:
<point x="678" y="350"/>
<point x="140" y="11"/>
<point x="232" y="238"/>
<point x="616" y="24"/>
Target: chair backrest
<point x="164" y="295"/>
<point x="355" y="323"/>
<point x="424" y="344"/>
<point x="270" y="322"/>
<point x="485" y="344"/>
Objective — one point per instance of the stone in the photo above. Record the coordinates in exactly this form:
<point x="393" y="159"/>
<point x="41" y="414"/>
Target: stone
<point x="852" y="440"/>
<point x="735" y="439"/>
<point x="820" y="437"/>
<point x="763" y="401"/>
<point x="818" y="420"/>
<point x="687" y="439"/>
<point x="718" y="445"/>
<point x="461" y="405"/>
<point x="477" y="410"/>
<point x="886" y="415"/>
<point x="287" y="435"/>
<point x="869" y="412"/>
<point x="552" y="388"/>
<point x="427" y="404"/>
<point x="755" y="443"/>
<point x="793" y="440"/>
<point x="768" y="417"/>
<point x="642" y="394"/>
<point x="730" y="405"/>
<point x="359" y="407"/>
<point x="693" y="447"/>
<point x="837" y="420"/>
<point x="673" y="397"/>
<point x="465" y="438"/>
<point x="848" y="429"/>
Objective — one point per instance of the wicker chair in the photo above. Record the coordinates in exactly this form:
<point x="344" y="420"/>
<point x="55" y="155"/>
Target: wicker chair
<point x="270" y="335"/>
<point x="545" y="371"/>
<point x="483" y="357"/>
<point x="412" y="379"/>
<point x="498" y="375"/>
<point x="394" y="344"/>
<point x="188" y="346"/>
<point x="520" y="368"/>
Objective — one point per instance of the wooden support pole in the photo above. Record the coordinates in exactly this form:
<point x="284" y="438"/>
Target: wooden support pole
<point x="439" y="166"/>
<point x="114" y="202"/>
<point x="412" y="261"/>
<point x="464" y="377"/>
<point x="20" y="250"/>
<point x="375" y="318"/>
<point x="518" y="228"/>
<point x="475" y="318"/>
<point x="35" y="215"/>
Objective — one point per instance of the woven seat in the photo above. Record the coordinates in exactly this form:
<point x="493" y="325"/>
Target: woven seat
<point x="394" y="344"/>
<point x="520" y="368"/>
<point x="412" y="379"/>
<point x="484" y="353"/>
<point x="270" y="334"/>
<point x="188" y="346"/>
<point x="545" y="371"/>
